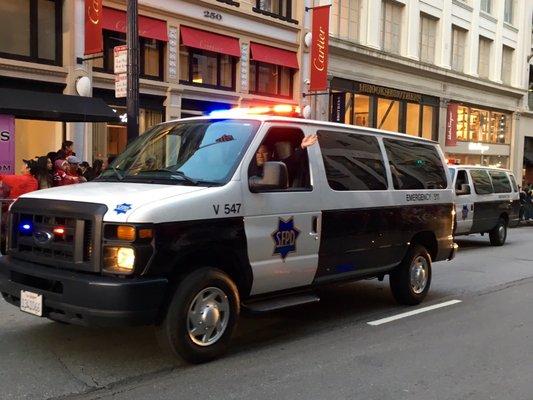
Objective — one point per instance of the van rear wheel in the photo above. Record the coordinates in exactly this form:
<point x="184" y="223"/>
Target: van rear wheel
<point x="498" y="235"/>
<point x="201" y="316"/>
<point x="410" y="281"/>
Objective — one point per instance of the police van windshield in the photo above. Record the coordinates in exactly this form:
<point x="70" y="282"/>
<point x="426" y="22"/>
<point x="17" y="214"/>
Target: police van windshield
<point x="196" y="152"/>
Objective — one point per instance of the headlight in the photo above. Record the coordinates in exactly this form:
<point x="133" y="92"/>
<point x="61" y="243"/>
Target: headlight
<point x="119" y="260"/>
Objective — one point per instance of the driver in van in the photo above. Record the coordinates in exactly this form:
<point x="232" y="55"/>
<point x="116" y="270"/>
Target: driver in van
<point x="283" y="151"/>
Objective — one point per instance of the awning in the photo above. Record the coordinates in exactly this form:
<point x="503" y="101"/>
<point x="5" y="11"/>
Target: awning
<point x="210" y="41"/>
<point x="151" y="28"/>
<point x="27" y="104"/>
<point x="273" y="55"/>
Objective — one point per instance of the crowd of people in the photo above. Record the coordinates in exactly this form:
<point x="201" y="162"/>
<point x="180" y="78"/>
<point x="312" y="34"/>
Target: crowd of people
<point x="526" y="203"/>
<point x="58" y="168"/>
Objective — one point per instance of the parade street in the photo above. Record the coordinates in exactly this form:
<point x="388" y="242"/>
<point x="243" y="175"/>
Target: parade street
<point x="478" y="348"/>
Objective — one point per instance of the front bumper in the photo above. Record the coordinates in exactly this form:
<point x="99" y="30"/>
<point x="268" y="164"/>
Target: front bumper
<point x="82" y="298"/>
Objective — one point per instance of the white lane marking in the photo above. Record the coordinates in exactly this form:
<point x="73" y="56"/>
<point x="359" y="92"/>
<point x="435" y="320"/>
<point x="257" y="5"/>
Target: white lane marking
<point x="411" y="313"/>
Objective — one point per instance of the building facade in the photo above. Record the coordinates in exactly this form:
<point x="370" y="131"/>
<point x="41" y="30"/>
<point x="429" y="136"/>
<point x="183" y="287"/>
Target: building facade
<point x="412" y="66"/>
<point x="196" y="56"/>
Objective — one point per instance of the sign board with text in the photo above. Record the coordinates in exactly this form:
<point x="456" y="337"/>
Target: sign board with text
<point x="121" y="59"/>
<point x="121" y="85"/>
<point x="7" y="144"/>
<point x="320" y="49"/>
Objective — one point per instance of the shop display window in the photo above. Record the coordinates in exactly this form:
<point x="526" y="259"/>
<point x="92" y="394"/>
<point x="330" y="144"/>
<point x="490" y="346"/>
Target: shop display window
<point x="412" y="122"/>
<point x="362" y="108"/>
<point x="30" y="30"/>
<point x="478" y="125"/>
<point x="478" y="159"/>
<point x="388" y="115"/>
<point x="428" y="122"/>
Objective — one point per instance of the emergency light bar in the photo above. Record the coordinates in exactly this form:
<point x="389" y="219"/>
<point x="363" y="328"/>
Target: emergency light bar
<point x="285" y="110"/>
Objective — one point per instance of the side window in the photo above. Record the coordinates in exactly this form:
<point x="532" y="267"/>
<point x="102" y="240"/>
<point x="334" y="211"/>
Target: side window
<point x="500" y="182"/>
<point x="415" y="165"/>
<point x="284" y="145"/>
<point x="482" y="182"/>
<point x="462" y="179"/>
<point x="513" y="182"/>
<point x="352" y="161"/>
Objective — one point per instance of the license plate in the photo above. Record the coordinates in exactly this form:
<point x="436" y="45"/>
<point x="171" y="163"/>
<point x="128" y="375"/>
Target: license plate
<point x="31" y="303"/>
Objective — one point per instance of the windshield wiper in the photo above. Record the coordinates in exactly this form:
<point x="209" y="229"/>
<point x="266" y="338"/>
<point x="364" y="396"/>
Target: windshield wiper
<point x="118" y="174"/>
<point x="180" y="174"/>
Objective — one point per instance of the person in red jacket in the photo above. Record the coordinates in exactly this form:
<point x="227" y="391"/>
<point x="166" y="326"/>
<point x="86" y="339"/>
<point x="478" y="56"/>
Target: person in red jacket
<point x="61" y="175"/>
<point x="17" y="185"/>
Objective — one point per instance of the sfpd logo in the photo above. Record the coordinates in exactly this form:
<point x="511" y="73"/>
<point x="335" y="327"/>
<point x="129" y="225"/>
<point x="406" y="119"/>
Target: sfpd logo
<point x="285" y="238"/>
<point x="122" y="208"/>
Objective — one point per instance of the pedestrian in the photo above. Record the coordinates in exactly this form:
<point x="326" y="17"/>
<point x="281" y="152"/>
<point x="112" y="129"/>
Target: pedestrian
<point x="74" y="168"/>
<point x="52" y="156"/>
<point x="43" y="171"/>
<point x="86" y="171"/>
<point x="18" y="185"/>
<point x="67" y="149"/>
<point x="61" y="175"/>
<point x="528" y="208"/>
<point x="98" y="167"/>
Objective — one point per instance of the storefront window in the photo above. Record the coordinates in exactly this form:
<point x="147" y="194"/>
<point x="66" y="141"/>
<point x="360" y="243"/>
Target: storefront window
<point x="500" y="128"/>
<point x="31" y="30"/>
<point x="428" y="122"/>
<point x="462" y="123"/>
<point x="362" y="110"/>
<point x="388" y="115"/>
<point x="151" y="55"/>
<point x="270" y="80"/>
<point x="412" y="122"/>
<point x="206" y="68"/>
<point x="478" y="125"/>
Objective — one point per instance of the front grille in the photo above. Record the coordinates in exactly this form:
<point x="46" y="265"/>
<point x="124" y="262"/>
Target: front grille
<point x="74" y="245"/>
<point x="76" y="248"/>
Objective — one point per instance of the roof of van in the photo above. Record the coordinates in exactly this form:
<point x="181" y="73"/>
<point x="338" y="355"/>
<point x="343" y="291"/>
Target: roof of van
<point x="302" y="121"/>
<point x="478" y="167"/>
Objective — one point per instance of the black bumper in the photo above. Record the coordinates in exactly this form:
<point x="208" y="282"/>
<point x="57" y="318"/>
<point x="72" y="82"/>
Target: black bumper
<point x="81" y="298"/>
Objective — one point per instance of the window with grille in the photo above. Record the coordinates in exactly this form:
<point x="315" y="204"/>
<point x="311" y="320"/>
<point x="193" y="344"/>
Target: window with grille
<point x="345" y="19"/>
<point x="458" y="49"/>
<point x="507" y="61"/>
<point x="483" y="69"/>
<point x="391" y="22"/>
<point x="428" y="32"/>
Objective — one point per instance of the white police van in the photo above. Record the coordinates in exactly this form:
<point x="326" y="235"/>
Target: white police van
<point x="487" y="200"/>
<point x="200" y="217"/>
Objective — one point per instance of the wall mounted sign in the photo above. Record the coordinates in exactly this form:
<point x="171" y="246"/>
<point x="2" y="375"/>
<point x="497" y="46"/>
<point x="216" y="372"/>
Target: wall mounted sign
<point x="7" y="144"/>
<point x="320" y="49"/>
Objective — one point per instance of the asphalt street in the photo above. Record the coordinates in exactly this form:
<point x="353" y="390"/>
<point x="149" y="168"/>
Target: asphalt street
<point x="479" y="348"/>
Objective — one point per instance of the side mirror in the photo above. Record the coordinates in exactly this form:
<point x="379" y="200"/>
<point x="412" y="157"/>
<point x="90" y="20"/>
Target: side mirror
<point x="275" y="177"/>
<point x="465" y="189"/>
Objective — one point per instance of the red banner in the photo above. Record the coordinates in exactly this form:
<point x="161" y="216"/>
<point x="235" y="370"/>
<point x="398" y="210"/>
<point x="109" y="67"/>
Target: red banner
<point x="94" y="42"/>
<point x="320" y="49"/>
<point x="451" y="125"/>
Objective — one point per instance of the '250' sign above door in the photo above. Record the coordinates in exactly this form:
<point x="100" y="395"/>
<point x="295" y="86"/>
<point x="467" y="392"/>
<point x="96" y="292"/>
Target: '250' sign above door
<point x="213" y="15"/>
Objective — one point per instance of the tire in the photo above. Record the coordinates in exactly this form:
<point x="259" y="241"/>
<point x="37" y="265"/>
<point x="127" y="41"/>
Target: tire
<point x="212" y="295"/>
<point x="498" y="235"/>
<point x="407" y="290"/>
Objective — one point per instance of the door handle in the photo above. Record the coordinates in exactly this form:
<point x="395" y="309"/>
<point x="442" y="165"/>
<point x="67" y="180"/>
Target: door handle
<point x="314" y="228"/>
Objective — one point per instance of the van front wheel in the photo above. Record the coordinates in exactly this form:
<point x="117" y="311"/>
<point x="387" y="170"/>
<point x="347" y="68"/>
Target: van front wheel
<point x="201" y="316"/>
<point x="410" y="281"/>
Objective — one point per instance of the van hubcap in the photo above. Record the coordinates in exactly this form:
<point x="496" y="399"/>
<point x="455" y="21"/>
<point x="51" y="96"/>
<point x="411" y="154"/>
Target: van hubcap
<point x="208" y="316"/>
<point x="501" y="232"/>
<point x="419" y="274"/>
